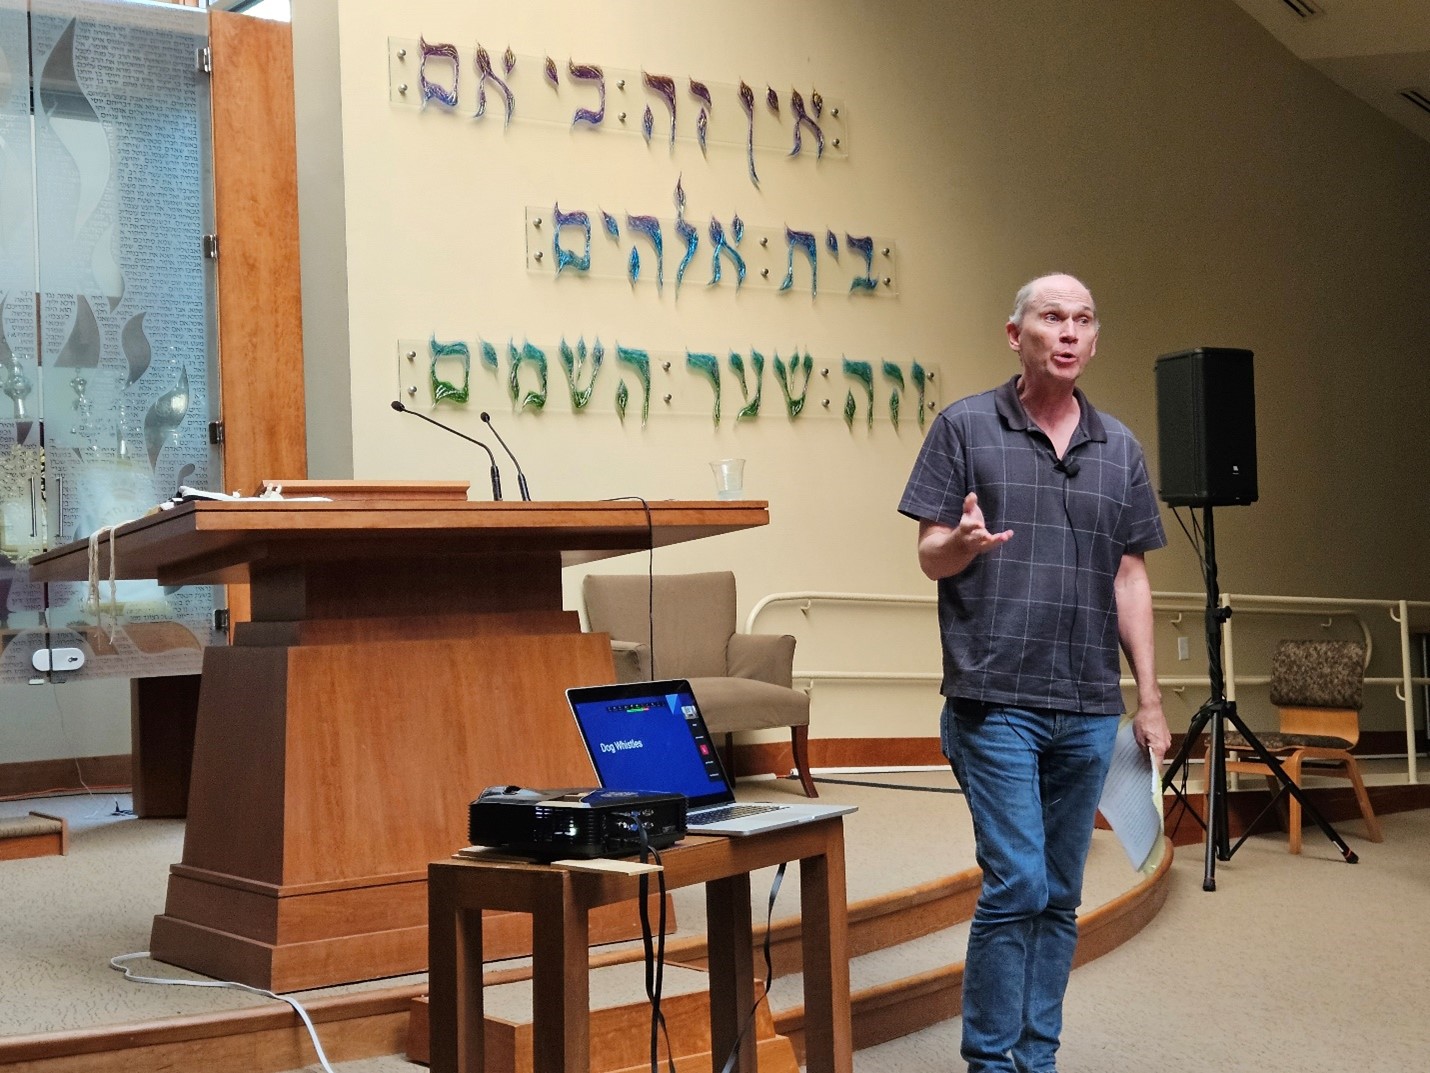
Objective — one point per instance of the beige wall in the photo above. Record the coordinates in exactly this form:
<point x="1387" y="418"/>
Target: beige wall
<point x="1209" y="187"/>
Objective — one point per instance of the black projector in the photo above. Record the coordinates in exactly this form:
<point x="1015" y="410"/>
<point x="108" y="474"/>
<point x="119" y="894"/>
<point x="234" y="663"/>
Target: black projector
<point x="551" y="824"/>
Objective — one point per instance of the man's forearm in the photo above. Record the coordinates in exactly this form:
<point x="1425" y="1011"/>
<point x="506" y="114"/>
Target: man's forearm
<point x="1135" y="626"/>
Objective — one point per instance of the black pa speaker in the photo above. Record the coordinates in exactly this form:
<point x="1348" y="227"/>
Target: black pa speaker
<point x="1206" y="427"/>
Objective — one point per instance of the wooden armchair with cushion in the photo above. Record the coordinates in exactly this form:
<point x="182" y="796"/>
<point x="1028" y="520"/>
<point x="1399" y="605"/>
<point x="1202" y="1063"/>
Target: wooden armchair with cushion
<point x="742" y="681"/>
<point x="1317" y="687"/>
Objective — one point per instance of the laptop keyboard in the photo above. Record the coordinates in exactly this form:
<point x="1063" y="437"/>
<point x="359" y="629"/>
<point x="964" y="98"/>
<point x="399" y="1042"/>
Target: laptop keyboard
<point x="731" y="812"/>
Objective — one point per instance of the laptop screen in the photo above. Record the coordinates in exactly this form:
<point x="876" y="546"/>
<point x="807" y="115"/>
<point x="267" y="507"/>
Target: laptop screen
<point x="650" y="736"/>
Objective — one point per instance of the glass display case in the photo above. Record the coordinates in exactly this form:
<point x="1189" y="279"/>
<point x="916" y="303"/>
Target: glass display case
<point x="108" y="363"/>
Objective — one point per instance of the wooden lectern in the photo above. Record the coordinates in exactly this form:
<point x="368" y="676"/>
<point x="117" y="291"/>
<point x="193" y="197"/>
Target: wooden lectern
<point x="403" y="654"/>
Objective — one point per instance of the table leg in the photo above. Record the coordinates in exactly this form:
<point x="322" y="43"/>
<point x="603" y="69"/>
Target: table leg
<point x="732" y="969"/>
<point x="454" y="980"/>
<point x="560" y="978"/>
<point x="828" y="1035"/>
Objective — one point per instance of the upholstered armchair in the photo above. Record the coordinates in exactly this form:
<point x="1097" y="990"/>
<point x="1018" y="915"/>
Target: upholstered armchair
<point x="1317" y="687"/>
<point x="741" y="681"/>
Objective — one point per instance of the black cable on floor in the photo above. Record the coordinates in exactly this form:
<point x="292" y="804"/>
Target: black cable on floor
<point x="890" y="785"/>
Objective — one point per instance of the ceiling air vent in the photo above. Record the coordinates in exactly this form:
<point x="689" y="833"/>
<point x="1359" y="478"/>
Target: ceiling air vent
<point x="1302" y="9"/>
<point x="1417" y="97"/>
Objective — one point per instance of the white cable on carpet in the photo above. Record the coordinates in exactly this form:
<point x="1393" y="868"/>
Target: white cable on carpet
<point x="118" y="964"/>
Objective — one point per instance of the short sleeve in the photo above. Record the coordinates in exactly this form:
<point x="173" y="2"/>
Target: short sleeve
<point x="938" y="484"/>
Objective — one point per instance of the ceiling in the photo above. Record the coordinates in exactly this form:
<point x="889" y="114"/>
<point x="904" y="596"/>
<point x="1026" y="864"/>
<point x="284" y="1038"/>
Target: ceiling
<point x="1375" y="49"/>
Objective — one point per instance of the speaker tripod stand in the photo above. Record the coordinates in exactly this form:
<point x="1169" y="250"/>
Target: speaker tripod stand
<point x="1215" y="714"/>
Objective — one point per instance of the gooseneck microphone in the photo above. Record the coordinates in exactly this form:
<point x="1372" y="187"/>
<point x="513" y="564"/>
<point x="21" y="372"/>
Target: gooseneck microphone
<point x="520" y="476"/>
<point x="496" y="473"/>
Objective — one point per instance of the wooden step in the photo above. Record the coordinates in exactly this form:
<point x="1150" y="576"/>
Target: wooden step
<point x="37" y="835"/>
<point x="620" y="1024"/>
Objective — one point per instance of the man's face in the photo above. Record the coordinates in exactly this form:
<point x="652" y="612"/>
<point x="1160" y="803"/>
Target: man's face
<point x="1058" y="334"/>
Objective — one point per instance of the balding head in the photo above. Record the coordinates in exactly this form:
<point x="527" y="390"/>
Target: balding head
<point x="1054" y="280"/>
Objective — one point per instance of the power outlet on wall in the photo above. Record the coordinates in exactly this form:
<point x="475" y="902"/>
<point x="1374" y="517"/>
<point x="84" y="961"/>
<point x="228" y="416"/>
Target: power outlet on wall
<point x="1184" y="648"/>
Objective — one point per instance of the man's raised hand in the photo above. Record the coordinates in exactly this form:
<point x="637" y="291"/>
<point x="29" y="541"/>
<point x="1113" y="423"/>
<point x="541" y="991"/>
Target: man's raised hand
<point x="973" y="531"/>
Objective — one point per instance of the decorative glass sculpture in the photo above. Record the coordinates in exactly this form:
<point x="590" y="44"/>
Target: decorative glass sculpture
<point x="445" y="390"/>
<point x="707" y="365"/>
<point x="579" y="363"/>
<point x="489" y="355"/>
<point x="564" y="257"/>
<point x="650" y="227"/>
<point x="803" y="119"/>
<point x="896" y="374"/>
<point x="747" y="102"/>
<point x="551" y="73"/>
<point x="718" y="246"/>
<point x="803" y="367"/>
<point x="701" y="92"/>
<point x="536" y="358"/>
<point x="609" y="222"/>
<point x="805" y="241"/>
<point x="485" y="74"/>
<point x="639" y="360"/>
<point x="432" y="91"/>
<point x="920" y="379"/>
<point x="864" y="246"/>
<point x="664" y="87"/>
<point x="757" y="363"/>
<point x="862" y="371"/>
<point x="589" y="72"/>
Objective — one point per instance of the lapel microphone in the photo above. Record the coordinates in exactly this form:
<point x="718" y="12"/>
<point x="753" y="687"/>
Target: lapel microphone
<point x="496" y="473"/>
<point x="1065" y="467"/>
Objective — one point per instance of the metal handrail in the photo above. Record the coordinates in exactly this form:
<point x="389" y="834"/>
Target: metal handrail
<point x="1179" y="603"/>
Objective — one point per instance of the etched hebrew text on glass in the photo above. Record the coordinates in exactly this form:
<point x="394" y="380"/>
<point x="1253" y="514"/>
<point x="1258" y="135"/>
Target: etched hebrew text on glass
<point x="106" y="332"/>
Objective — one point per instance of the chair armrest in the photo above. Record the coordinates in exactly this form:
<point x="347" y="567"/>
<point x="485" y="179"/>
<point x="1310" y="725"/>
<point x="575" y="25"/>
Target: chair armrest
<point x="765" y="657"/>
<point x="632" y="661"/>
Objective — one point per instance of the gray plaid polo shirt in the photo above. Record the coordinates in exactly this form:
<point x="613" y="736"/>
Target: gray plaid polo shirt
<point x="1033" y="623"/>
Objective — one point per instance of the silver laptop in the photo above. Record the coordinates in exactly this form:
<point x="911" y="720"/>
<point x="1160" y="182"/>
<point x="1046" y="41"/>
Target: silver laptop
<point x="651" y="736"/>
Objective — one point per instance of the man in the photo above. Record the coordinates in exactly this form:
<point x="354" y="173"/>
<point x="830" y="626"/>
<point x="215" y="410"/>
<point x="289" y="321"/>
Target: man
<point x="1034" y="512"/>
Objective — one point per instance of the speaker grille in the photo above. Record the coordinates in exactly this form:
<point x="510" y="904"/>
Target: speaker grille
<point x="1206" y="427"/>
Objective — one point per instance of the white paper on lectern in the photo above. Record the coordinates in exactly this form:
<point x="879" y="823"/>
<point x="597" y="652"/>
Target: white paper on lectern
<point x="1134" y="813"/>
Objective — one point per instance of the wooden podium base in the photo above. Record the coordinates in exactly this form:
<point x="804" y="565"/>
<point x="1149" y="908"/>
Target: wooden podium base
<point x="327" y="776"/>
<point x="406" y="649"/>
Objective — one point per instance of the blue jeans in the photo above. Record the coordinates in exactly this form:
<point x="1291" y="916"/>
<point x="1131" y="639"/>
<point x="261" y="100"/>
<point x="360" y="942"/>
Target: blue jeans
<point x="1032" y="780"/>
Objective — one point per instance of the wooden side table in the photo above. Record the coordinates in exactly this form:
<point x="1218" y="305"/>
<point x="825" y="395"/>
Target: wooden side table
<point x="560" y="901"/>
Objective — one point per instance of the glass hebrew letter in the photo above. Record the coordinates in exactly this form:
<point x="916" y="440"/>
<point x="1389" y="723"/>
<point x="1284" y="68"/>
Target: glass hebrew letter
<point x="588" y="72"/>
<point x="862" y="371"/>
<point x="794" y="404"/>
<point x="485" y="74"/>
<point x="865" y="248"/>
<point x="445" y="390"/>
<point x="431" y="90"/>
<point x="648" y="226"/>
<point x="578" y="363"/>
<point x="805" y="241"/>
<point x="757" y="363"/>
<point x="664" y="87"/>
<point x="719" y="246"/>
<point x="709" y="366"/>
<point x="536" y="358"/>
<point x="639" y="360"/>
<point x="896" y="374"/>
<point x="564" y="257"/>
<point x="803" y="119"/>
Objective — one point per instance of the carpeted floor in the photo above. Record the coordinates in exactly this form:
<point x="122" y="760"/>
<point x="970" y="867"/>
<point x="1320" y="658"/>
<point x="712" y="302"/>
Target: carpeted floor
<point x="1306" y="963"/>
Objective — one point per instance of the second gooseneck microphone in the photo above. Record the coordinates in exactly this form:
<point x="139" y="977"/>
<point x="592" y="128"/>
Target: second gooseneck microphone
<point x="520" y="476"/>
<point x="496" y="473"/>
